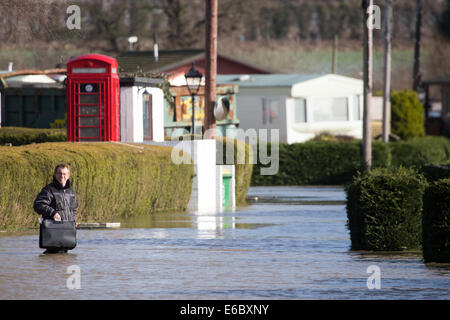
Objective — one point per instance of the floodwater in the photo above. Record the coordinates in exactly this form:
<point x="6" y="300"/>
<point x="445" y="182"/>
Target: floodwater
<point x="291" y="243"/>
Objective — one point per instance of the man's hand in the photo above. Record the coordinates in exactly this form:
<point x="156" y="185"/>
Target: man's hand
<point x="57" y="217"/>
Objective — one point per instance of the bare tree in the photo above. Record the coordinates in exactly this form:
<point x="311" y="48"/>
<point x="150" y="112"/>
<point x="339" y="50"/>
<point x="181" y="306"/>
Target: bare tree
<point x="26" y="21"/>
<point x="182" y="22"/>
<point x="417" y="77"/>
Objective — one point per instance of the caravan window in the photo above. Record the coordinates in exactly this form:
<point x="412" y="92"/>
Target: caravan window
<point x="300" y="110"/>
<point x="357" y="107"/>
<point x="329" y="109"/>
<point x="270" y="110"/>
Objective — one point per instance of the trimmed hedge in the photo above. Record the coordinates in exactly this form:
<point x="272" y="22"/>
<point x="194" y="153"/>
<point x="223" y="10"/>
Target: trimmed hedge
<point x="110" y="179"/>
<point x="320" y="163"/>
<point x="22" y="136"/>
<point x="420" y="151"/>
<point x="243" y="164"/>
<point x="436" y="222"/>
<point x="384" y="210"/>
<point x="434" y="172"/>
<point x="18" y="136"/>
<point x="332" y="162"/>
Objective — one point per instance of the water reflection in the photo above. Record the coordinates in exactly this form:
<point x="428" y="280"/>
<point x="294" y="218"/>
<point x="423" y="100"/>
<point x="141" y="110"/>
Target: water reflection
<point x="158" y="220"/>
<point x="208" y="225"/>
<point x="270" y="249"/>
<point x="211" y="226"/>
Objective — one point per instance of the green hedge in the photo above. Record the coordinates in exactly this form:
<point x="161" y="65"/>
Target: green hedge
<point x="22" y="136"/>
<point x="333" y="162"/>
<point x="420" y="151"/>
<point x="320" y="163"/>
<point x="407" y="114"/>
<point x="434" y="172"/>
<point x="243" y="164"/>
<point x="110" y="179"/>
<point x="436" y="222"/>
<point x="18" y="136"/>
<point x="384" y="209"/>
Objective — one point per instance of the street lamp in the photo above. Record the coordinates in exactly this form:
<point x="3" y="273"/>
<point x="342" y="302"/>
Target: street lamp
<point x="193" y="79"/>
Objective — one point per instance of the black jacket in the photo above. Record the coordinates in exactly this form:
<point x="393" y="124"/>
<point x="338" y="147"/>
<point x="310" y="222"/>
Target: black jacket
<point x="55" y="198"/>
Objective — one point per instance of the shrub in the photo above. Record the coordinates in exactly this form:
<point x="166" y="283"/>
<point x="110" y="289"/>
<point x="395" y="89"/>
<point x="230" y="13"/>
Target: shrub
<point x="320" y="163"/>
<point x="407" y="115"/>
<point x="434" y="172"/>
<point x="243" y="164"/>
<point x="110" y="180"/>
<point x="420" y="151"/>
<point x="436" y="222"/>
<point x="18" y="136"/>
<point x="327" y="136"/>
<point x="384" y="210"/>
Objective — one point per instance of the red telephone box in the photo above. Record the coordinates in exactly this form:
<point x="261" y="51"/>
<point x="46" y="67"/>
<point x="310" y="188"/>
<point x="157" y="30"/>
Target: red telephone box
<point x="93" y="99"/>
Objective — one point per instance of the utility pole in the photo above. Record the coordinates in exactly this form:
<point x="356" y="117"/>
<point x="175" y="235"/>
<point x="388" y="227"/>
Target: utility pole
<point x="387" y="72"/>
<point x="335" y="45"/>
<point x="211" y="67"/>
<point x="367" y="70"/>
<point x="416" y="73"/>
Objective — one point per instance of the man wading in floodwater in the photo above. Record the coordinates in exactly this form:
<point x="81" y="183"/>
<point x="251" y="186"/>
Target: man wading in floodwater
<point x="57" y="200"/>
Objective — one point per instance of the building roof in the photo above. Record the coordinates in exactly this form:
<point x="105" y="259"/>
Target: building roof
<point x="134" y="61"/>
<point x="168" y="60"/>
<point x="140" y="81"/>
<point x="276" y="80"/>
<point x="265" y="80"/>
<point x="438" y="80"/>
<point x="31" y="77"/>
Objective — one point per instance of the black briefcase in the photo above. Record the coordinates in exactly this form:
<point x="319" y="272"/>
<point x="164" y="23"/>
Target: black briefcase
<point x="57" y="234"/>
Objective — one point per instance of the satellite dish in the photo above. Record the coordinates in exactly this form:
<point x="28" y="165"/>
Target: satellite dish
<point x="222" y="108"/>
<point x="132" y="39"/>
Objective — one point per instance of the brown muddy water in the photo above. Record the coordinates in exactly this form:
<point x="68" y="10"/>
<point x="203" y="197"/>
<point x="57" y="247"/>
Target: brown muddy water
<point x="292" y="243"/>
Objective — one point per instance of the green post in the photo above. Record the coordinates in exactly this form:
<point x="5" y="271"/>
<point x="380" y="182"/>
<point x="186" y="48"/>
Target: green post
<point x="226" y="182"/>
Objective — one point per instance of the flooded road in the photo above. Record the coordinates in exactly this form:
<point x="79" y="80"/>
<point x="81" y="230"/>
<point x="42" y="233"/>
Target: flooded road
<point x="290" y="243"/>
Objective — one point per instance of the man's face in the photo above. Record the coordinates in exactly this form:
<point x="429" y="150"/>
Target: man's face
<point x="62" y="175"/>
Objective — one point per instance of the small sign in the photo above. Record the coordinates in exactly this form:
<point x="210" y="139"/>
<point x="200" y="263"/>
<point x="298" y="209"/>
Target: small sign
<point x="88" y="88"/>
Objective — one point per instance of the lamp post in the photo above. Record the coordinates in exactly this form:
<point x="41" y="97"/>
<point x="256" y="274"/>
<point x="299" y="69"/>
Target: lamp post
<point x="193" y="80"/>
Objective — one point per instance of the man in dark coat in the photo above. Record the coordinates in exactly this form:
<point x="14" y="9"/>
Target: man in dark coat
<point x="57" y="200"/>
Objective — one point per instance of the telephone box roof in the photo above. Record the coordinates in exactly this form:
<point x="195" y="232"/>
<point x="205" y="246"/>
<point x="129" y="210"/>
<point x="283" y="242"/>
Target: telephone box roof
<point x="99" y="57"/>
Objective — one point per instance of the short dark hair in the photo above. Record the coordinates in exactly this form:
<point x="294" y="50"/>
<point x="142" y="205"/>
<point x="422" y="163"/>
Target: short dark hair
<point x="62" y="166"/>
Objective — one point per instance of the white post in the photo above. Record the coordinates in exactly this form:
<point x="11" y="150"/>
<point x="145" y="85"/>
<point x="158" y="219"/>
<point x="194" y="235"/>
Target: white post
<point x="387" y="72"/>
<point x="367" y="69"/>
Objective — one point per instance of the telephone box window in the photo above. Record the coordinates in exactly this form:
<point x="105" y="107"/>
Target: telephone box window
<point x="89" y="99"/>
<point x="89" y="132"/>
<point x="88" y="70"/>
